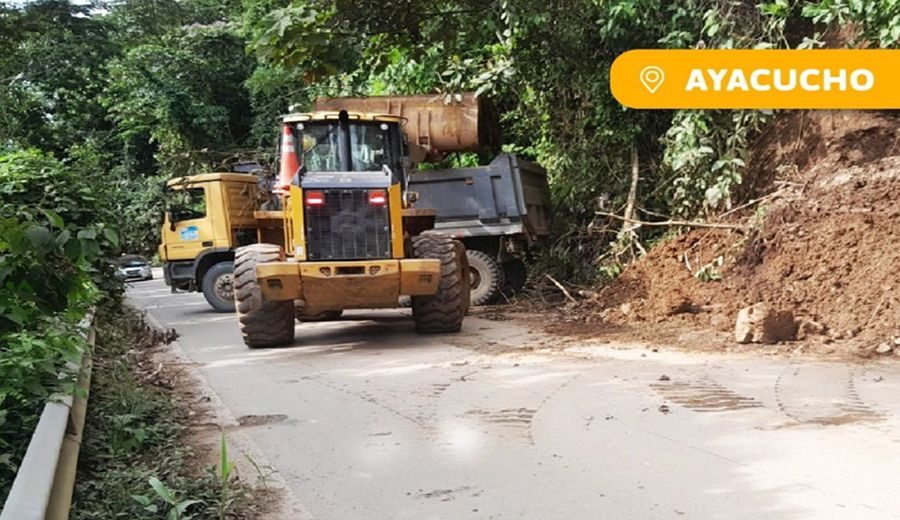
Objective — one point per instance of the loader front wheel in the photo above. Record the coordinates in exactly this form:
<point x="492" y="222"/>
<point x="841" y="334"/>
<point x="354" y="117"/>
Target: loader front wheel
<point x="263" y="323"/>
<point x="444" y="310"/>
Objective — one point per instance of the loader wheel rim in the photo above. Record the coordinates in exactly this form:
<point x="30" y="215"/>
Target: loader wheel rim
<point x="224" y="286"/>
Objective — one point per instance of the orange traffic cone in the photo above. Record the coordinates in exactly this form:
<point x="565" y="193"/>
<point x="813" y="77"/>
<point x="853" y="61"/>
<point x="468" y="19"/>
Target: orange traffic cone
<point x="289" y="163"/>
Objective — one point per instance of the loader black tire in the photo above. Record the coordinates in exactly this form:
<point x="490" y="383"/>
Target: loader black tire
<point x="263" y="323"/>
<point x="443" y="311"/>
<point x="486" y="277"/>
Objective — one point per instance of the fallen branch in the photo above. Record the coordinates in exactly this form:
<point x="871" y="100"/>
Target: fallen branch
<point x="755" y="201"/>
<point x="561" y="288"/>
<point x="673" y="223"/>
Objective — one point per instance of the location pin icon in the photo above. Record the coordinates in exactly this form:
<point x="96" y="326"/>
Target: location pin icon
<point x="652" y="77"/>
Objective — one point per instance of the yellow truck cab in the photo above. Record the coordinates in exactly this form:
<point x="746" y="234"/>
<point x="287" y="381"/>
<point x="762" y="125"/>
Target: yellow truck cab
<point x="207" y="217"/>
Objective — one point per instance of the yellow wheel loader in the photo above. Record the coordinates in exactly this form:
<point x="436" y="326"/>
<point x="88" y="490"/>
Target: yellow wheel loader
<point x="348" y="234"/>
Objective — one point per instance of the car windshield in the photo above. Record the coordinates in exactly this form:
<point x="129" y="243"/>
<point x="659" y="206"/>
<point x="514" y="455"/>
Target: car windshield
<point x="132" y="261"/>
<point x="321" y="147"/>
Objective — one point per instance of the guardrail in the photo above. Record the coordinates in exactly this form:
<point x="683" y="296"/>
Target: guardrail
<point x="46" y="478"/>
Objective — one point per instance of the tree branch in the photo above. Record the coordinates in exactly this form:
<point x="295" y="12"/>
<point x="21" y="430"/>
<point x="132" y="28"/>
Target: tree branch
<point x="672" y="223"/>
<point x="561" y="288"/>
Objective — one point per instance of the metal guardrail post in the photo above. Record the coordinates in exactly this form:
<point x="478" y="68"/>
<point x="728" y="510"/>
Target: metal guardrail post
<point x="45" y="481"/>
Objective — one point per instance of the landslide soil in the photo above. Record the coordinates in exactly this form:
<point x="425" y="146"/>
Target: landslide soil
<point x="824" y="242"/>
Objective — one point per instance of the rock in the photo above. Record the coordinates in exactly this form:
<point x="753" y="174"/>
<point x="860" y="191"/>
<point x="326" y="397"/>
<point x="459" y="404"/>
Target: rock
<point x="884" y="348"/>
<point x="664" y="378"/>
<point x="808" y="327"/>
<point x="625" y="308"/>
<point x="760" y="323"/>
<point x="896" y="341"/>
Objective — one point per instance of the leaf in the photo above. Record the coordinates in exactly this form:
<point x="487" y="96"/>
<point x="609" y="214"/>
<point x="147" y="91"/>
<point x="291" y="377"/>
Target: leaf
<point x="111" y="236"/>
<point x="143" y="500"/>
<point x="87" y="234"/>
<point x="225" y="466"/>
<point x="184" y="505"/>
<point x="164" y="492"/>
<point x="54" y="218"/>
<point x="39" y="236"/>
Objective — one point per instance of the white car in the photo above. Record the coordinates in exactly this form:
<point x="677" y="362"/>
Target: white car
<point x="133" y="267"/>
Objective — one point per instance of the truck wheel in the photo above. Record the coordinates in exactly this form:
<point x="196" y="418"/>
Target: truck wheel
<point x="444" y="310"/>
<point x="516" y="274"/>
<point x="218" y="286"/>
<point x="486" y="277"/>
<point x="263" y="323"/>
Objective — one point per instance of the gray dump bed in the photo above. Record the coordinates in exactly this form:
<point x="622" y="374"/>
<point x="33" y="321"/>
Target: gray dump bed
<point x="510" y="196"/>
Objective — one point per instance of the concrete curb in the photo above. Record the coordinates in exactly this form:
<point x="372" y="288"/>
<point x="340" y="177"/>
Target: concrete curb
<point x="291" y="507"/>
<point x="46" y="478"/>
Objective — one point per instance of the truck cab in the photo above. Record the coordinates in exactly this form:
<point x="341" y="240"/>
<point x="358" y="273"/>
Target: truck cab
<point x="207" y="217"/>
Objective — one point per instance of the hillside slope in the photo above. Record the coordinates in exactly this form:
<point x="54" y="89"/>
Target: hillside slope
<point x="824" y="242"/>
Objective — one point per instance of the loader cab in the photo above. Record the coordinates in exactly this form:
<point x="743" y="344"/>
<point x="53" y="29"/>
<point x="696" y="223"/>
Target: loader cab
<point x="339" y="142"/>
<point x="347" y="179"/>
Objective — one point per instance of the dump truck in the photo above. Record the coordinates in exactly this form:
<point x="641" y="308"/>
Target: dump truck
<point x="500" y="212"/>
<point x="349" y="233"/>
<point x="207" y="218"/>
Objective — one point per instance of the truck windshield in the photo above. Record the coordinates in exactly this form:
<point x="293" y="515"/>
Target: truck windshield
<point x="321" y="145"/>
<point x="186" y="203"/>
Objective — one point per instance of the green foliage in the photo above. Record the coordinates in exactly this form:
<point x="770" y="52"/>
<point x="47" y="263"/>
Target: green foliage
<point x="185" y="92"/>
<point x="706" y="151"/>
<point x="134" y="463"/>
<point x="53" y="64"/>
<point x="51" y="250"/>
<point x="879" y="21"/>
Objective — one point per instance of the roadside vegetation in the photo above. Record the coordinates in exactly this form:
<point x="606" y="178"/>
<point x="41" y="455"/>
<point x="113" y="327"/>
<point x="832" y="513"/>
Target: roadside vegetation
<point x="51" y="274"/>
<point x="135" y="461"/>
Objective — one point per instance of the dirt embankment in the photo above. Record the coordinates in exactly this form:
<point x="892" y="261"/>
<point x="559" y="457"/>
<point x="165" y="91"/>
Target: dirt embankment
<point x="823" y="243"/>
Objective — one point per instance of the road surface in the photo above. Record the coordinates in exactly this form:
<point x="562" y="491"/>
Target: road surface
<point x="364" y="419"/>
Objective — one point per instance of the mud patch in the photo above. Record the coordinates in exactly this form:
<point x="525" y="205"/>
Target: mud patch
<point x="444" y="495"/>
<point x="260" y="420"/>
<point x="837" y="405"/>
<point x="704" y="396"/>
<point x="506" y="416"/>
<point x="516" y="421"/>
<point x="438" y="389"/>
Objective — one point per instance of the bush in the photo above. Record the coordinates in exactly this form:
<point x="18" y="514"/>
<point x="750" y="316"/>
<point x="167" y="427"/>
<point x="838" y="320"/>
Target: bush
<point x="50" y="260"/>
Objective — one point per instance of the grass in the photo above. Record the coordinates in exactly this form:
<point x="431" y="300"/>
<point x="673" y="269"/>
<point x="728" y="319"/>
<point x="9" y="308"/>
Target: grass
<point x="135" y="462"/>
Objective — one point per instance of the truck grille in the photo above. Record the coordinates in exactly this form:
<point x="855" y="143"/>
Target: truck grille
<point x="347" y="227"/>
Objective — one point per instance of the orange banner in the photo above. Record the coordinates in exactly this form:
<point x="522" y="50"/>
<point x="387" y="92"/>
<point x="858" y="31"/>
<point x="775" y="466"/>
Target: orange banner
<point x="760" y="79"/>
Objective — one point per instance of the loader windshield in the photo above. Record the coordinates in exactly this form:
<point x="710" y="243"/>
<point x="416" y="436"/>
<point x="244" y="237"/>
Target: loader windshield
<point x="358" y="146"/>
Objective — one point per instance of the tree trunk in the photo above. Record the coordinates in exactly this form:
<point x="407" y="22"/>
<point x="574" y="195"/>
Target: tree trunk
<point x="629" y="220"/>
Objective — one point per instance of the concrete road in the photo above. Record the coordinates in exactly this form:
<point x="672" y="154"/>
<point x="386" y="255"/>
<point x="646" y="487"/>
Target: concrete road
<point x="366" y="420"/>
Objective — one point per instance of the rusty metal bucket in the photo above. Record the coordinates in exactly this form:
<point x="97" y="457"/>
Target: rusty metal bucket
<point x="465" y="124"/>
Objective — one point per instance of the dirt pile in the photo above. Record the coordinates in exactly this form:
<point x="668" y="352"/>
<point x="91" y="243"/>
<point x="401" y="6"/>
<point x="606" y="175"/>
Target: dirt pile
<point x="824" y="243"/>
